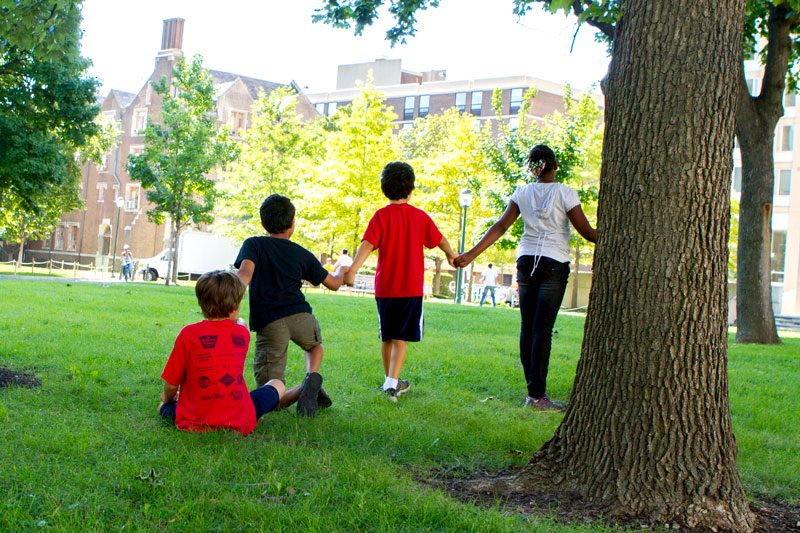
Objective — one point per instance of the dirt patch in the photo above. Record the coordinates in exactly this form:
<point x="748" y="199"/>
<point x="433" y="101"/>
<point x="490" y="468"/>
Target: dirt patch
<point x="569" y="509"/>
<point x="9" y="378"/>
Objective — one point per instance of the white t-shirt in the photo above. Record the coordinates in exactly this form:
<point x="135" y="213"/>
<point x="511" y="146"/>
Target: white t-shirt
<point x="490" y="277"/>
<point x="344" y="261"/>
<point x="543" y="207"/>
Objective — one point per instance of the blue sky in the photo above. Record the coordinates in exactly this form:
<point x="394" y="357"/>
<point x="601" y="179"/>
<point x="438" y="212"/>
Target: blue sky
<point x="275" y="40"/>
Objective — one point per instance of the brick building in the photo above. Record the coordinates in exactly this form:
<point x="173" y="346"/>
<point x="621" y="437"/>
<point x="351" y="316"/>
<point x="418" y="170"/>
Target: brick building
<point x="417" y="94"/>
<point x="90" y="235"/>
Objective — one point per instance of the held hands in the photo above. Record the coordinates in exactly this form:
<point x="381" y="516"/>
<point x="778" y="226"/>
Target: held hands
<point x="349" y="276"/>
<point x="463" y="260"/>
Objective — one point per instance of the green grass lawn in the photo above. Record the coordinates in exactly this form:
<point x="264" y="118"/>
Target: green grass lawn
<point x="86" y="451"/>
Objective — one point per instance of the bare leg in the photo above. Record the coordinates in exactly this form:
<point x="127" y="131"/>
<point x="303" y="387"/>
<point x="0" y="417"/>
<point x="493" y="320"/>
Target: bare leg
<point x="289" y="397"/>
<point x="398" y="358"/>
<point x="386" y="355"/>
<point x="314" y="358"/>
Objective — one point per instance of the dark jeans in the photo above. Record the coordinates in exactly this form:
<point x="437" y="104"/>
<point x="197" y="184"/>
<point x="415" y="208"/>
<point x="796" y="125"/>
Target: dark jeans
<point x="488" y="288"/>
<point x="540" y="297"/>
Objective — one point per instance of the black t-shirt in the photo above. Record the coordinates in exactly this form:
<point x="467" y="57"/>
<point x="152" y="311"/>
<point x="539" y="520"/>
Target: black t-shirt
<point x="275" y="288"/>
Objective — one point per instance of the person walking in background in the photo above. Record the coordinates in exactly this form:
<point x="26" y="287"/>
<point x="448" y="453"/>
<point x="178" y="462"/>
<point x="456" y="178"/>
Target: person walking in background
<point x="344" y="261"/>
<point x="543" y="255"/>
<point x="489" y="280"/>
<point x="127" y="264"/>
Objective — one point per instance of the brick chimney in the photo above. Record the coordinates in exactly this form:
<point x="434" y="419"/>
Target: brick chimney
<point x="172" y="35"/>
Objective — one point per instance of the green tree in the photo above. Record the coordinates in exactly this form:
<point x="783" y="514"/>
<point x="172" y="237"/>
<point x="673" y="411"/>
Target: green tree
<point x="445" y="151"/>
<point x="20" y="222"/>
<point x="346" y="191"/>
<point x="647" y="431"/>
<point x="45" y="30"/>
<point x="278" y="154"/>
<point x="47" y="102"/>
<point x="181" y="151"/>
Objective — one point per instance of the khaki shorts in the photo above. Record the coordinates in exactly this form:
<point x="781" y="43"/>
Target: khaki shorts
<point x="272" y="344"/>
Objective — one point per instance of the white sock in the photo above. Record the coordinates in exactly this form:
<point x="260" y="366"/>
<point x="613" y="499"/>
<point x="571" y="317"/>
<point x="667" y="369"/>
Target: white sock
<point x="389" y="383"/>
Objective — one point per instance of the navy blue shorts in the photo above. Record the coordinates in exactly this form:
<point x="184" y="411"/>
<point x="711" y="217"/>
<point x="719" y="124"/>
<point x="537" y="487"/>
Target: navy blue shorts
<point x="265" y="399"/>
<point x="400" y="318"/>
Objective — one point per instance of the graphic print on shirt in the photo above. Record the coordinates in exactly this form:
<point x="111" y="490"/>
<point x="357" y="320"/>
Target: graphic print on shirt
<point x="227" y="380"/>
<point x="208" y="341"/>
<point x="238" y="340"/>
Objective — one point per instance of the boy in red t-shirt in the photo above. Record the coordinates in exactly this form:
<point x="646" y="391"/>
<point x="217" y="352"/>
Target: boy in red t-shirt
<point x="399" y="232"/>
<point x="207" y="363"/>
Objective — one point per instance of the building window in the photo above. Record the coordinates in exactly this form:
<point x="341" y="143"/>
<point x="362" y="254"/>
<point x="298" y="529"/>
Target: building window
<point x="139" y="121"/>
<point x="72" y="238"/>
<point x="408" y="108"/>
<point x="461" y="101"/>
<point x="787" y="138"/>
<point x="516" y="101"/>
<point x="332" y="108"/>
<point x="753" y="86"/>
<point x="778" y="256"/>
<point x="236" y="121"/>
<point x="737" y="179"/>
<point x="406" y="126"/>
<point x="137" y="150"/>
<point x="424" y="104"/>
<point x="513" y="123"/>
<point x="101" y="192"/>
<point x="58" y="238"/>
<point x="476" y="103"/>
<point x="132" y="197"/>
<point x="789" y="99"/>
<point x="785" y="182"/>
<point x="320" y="107"/>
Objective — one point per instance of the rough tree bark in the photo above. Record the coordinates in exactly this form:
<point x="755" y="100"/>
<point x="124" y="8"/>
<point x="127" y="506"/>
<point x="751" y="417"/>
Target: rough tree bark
<point x="756" y="120"/>
<point x="647" y="432"/>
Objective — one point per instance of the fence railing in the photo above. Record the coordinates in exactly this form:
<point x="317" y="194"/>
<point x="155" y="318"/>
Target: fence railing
<point x="56" y="267"/>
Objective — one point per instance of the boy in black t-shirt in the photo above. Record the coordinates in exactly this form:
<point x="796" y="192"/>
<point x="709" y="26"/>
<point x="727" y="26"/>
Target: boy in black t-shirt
<point x="274" y="268"/>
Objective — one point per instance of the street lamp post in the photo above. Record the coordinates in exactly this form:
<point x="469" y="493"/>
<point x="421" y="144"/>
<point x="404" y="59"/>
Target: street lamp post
<point x="120" y="201"/>
<point x="464" y="199"/>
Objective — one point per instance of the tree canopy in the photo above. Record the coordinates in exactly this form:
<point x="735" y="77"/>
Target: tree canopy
<point x="182" y="150"/>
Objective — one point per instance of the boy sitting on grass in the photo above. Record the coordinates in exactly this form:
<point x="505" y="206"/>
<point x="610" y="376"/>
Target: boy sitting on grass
<point x="274" y="267"/>
<point x="207" y="362"/>
<point x="399" y="231"/>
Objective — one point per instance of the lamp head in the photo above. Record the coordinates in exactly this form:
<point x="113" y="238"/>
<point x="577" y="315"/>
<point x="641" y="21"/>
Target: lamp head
<point x="465" y="198"/>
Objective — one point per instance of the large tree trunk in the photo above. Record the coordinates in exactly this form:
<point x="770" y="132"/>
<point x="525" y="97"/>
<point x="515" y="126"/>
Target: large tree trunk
<point x="437" y="275"/>
<point x="648" y="431"/>
<point x="756" y="120"/>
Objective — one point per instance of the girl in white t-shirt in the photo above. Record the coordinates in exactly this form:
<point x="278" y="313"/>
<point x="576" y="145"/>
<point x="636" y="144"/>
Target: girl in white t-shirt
<point x="543" y="255"/>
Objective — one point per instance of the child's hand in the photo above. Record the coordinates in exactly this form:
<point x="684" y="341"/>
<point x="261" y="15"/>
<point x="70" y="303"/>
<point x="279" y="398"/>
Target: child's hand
<point x="349" y="277"/>
<point x="463" y="260"/>
<point x="451" y="260"/>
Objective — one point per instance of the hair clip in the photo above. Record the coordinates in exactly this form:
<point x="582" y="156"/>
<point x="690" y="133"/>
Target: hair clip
<point x="538" y="167"/>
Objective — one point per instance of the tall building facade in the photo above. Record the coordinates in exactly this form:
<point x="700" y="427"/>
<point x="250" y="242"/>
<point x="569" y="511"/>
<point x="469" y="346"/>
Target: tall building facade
<point x="115" y="212"/>
<point x="415" y="95"/>
<point x="785" y="260"/>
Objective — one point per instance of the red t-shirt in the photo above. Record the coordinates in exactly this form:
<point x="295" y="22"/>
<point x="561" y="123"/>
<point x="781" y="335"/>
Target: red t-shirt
<point x="398" y="232"/>
<point x="207" y="363"/>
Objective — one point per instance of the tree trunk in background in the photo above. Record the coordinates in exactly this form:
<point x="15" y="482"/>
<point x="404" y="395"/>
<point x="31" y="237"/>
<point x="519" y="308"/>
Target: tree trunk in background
<point x="755" y="320"/>
<point x="756" y="120"/>
<point x="576" y="278"/>
<point x="437" y="275"/>
<point x="18" y="265"/>
<point x="647" y="432"/>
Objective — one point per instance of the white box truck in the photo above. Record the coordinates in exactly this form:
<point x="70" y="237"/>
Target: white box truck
<point x="198" y="252"/>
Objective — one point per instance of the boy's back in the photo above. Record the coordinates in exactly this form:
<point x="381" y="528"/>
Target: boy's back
<point x="399" y="232"/>
<point x="276" y="285"/>
<point x="207" y="362"/>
